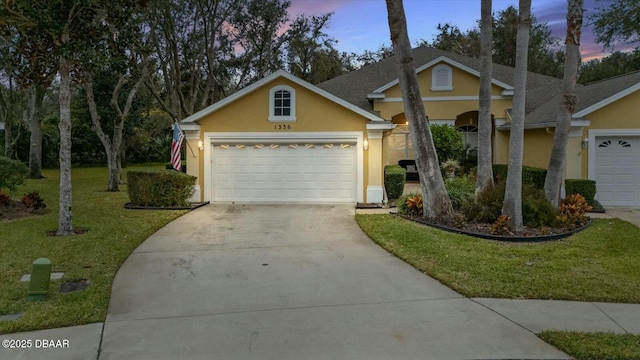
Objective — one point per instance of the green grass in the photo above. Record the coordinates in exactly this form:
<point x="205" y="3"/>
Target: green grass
<point x="595" y="346"/>
<point x="597" y="264"/>
<point x="113" y="233"/>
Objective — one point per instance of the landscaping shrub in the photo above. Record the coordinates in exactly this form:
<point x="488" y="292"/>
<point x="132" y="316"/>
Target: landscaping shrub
<point x="410" y="204"/>
<point x="501" y="226"/>
<point x="487" y="206"/>
<point x="447" y="141"/>
<point x="572" y="211"/>
<point x="5" y="200"/>
<point x="530" y="175"/>
<point x="33" y="201"/>
<point x="460" y="189"/>
<point x="415" y="205"/>
<point x="537" y="210"/>
<point x="12" y="173"/>
<point x="584" y="187"/>
<point x="394" y="180"/>
<point x="164" y="188"/>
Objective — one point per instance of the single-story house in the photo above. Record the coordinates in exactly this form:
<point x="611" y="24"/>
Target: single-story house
<point x="283" y="139"/>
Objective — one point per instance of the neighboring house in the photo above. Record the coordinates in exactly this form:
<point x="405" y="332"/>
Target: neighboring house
<point x="282" y="139"/>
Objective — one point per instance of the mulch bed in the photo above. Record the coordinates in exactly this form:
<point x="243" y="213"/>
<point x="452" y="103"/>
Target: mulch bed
<point x="193" y="206"/>
<point x="484" y="231"/>
<point x="17" y="210"/>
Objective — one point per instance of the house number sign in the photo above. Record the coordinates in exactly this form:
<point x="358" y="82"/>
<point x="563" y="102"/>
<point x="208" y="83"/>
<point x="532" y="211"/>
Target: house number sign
<point x="282" y="126"/>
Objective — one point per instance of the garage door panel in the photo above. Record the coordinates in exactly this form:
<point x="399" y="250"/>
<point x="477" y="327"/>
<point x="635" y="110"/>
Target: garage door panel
<point x="617" y="169"/>
<point x="284" y="174"/>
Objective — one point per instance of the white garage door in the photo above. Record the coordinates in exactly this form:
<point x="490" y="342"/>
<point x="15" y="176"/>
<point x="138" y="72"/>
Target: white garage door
<point x="617" y="168"/>
<point x="318" y="173"/>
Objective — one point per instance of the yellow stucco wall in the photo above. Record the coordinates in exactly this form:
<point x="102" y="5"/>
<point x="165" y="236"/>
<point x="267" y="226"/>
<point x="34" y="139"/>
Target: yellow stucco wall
<point x="464" y="84"/>
<point x="314" y="113"/>
<point x="537" y="148"/>
<point x="622" y="114"/>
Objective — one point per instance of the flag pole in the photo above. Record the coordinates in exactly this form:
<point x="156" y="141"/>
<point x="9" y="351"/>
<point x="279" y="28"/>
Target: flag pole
<point x="175" y="121"/>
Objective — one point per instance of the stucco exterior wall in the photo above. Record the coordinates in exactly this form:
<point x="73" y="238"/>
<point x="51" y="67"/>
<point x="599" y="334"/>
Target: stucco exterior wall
<point x="621" y="114"/>
<point x="314" y="113"/>
<point x="437" y="106"/>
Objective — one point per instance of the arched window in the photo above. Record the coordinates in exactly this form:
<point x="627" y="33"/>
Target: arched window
<point x="470" y="137"/>
<point x="441" y="78"/>
<point x="282" y="103"/>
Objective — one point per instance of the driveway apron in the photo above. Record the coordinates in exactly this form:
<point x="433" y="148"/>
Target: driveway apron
<point x="292" y="282"/>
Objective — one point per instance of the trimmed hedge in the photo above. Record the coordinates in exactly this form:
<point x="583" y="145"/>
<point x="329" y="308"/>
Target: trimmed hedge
<point x="530" y="175"/>
<point x="584" y="187"/>
<point x="164" y="188"/>
<point x="12" y="173"/>
<point x="394" y="179"/>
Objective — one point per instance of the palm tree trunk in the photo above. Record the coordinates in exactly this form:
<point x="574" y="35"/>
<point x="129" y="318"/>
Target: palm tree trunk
<point x="485" y="171"/>
<point x="553" y="181"/>
<point x="512" y="205"/>
<point x="436" y="202"/>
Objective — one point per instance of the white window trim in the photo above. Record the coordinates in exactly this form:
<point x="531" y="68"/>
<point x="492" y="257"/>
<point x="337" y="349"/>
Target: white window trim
<point x="272" y="93"/>
<point x="434" y="71"/>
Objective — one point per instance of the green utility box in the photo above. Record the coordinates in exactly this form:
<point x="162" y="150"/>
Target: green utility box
<point x="40" y="278"/>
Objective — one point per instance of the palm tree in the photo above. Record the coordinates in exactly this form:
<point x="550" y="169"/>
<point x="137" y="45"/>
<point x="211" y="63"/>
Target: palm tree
<point x="512" y="205"/>
<point x="553" y="181"/>
<point x="437" y="204"/>
<point x="485" y="172"/>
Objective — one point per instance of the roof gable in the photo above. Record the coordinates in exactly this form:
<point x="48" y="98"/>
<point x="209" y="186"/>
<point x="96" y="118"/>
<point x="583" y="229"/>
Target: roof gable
<point x="266" y="80"/>
<point x="626" y="85"/>
<point x="449" y="61"/>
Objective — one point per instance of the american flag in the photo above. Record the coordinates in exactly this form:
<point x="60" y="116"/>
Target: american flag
<point x="176" y="144"/>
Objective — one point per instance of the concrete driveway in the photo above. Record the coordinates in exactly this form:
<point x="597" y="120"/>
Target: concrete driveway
<point x="292" y="282"/>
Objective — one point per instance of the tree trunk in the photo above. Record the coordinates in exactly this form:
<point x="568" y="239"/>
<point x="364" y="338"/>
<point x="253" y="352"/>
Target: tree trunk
<point x="512" y="205"/>
<point x="34" y="120"/>
<point x="485" y="171"/>
<point x="436" y="202"/>
<point x="109" y="148"/>
<point x="8" y="137"/>
<point x="65" y="223"/>
<point x="553" y="181"/>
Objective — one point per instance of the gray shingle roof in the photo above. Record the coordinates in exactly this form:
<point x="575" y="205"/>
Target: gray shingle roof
<point x="588" y="95"/>
<point x="543" y="92"/>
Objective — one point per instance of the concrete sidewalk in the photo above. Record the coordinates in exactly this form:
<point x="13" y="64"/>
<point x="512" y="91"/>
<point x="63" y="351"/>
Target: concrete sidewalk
<point x="533" y="315"/>
<point x="302" y="282"/>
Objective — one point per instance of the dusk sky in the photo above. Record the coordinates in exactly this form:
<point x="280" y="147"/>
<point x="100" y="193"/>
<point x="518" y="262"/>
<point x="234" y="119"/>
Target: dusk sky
<point x="362" y="24"/>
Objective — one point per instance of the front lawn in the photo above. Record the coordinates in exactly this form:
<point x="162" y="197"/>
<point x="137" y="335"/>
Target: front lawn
<point x="112" y="234"/>
<point x="597" y="264"/>
<point x="595" y="346"/>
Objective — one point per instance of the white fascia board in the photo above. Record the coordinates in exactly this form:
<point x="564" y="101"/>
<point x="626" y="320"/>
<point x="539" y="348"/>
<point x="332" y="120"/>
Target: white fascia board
<point x="387" y="125"/>
<point x="268" y="79"/>
<point x="373" y="96"/>
<point x="188" y="126"/>
<point x="450" y="62"/>
<point x="507" y="93"/>
<point x="548" y="124"/>
<point x="600" y="104"/>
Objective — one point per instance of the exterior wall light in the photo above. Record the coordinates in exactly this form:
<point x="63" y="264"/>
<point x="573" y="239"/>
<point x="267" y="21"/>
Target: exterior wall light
<point x="585" y="143"/>
<point x="365" y="144"/>
<point x="200" y="145"/>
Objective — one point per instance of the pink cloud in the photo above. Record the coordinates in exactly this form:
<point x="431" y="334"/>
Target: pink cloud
<point x="316" y="7"/>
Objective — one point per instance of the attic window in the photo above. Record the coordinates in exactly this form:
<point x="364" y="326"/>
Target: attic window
<point x="441" y="79"/>
<point x="282" y="103"/>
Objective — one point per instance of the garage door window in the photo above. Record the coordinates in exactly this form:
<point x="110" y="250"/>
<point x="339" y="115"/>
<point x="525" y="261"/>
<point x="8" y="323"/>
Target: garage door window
<point x="282" y="103"/>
